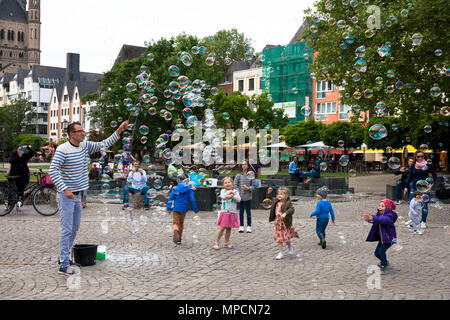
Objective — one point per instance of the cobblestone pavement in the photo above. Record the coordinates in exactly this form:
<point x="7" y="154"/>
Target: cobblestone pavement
<point x="149" y="266"/>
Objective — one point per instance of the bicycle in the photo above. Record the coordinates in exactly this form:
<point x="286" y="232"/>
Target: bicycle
<point x="43" y="196"/>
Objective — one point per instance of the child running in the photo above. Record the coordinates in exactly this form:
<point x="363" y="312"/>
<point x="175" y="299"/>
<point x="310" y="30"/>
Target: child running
<point x="323" y="209"/>
<point x="227" y="216"/>
<point x="281" y="213"/>
<point x="414" y="212"/>
<point x="178" y="204"/>
<point x="383" y="230"/>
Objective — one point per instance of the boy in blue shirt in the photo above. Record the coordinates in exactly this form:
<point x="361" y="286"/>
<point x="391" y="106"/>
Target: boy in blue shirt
<point x="323" y="209"/>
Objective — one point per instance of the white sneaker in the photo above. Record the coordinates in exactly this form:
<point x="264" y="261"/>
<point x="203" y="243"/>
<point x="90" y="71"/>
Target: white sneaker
<point x="280" y="256"/>
<point x="19" y="204"/>
<point x="399" y="202"/>
<point x="241" y="229"/>
<point x="291" y="250"/>
<point x="408" y="222"/>
<point x="423" y="225"/>
<point x="420" y="232"/>
<point x="249" y="229"/>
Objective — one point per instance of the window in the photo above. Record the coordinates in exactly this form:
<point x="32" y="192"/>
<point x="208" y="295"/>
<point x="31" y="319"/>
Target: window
<point x="322" y="87"/>
<point x="241" y="85"/>
<point x="2" y="34"/>
<point x="251" y="84"/>
<point x="343" y="111"/>
<point x="326" y="108"/>
<point x="66" y="97"/>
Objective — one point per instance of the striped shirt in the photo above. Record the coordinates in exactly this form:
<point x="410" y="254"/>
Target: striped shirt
<point x="69" y="167"/>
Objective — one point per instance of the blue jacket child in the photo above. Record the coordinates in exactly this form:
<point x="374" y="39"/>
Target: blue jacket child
<point x="323" y="210"/>
<point x="178" y="203"/>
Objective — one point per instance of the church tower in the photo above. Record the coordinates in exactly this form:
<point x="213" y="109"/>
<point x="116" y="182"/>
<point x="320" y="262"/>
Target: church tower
<point x="34" y="32"/>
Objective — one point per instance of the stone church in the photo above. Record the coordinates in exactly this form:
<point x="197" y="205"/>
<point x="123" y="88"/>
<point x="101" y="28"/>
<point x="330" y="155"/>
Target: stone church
<point x="20" y="35"/>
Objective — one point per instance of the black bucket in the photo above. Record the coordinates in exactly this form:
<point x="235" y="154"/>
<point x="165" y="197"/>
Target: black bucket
<point x="85" y="254"/>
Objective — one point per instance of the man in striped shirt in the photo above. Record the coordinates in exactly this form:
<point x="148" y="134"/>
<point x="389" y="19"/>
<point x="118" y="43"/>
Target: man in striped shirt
<point x="69" y="172"/>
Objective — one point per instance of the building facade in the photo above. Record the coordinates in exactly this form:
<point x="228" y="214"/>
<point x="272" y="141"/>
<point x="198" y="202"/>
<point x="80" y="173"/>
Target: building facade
<point x="20" y="35"/>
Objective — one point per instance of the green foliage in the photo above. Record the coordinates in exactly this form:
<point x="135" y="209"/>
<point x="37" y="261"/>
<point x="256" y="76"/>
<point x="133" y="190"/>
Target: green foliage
<point x="351" y="133"/>
<point x="235" y="104"/>
<point x="438" y="139"/>
<point x="302" y="132"/>
<point x="265" y="116"/>
<point x="17" y="116"/>
<point x="417" y="67"/>
<point x="35" y="142"/>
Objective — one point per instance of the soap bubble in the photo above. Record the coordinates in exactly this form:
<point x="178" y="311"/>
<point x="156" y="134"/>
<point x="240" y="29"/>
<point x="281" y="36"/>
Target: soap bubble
<point x="174" y="71"/>
<point x="157" y="184"/>
<point x="228" y="61"/>
<point x="154" y="100"/>
<point x="214" y="91"/>
<point x="267" y="203"/>
<point x="210" y="61"/>
<point x="344" y="160"/>
<point x="384" y="159"/>
<point x="340" y="24"/>
<point x="356" y="77"/>
<point x="167" y="116"/>
<point x="370" y="33"/>
<point x="306" y="111"/>
<point x="187" y="112"/>
<point x="368" y="93"/>
<point x="384" y="51"/>
<point x="186" y="59"/>
<point x="144" y="130"/>
<point x="361" y="65"/>
<point x="146" y="159"/>
<point x="314" y="28"/>
<point x="323" y="166"/>
<point x="435" y="203"/>
<point x="150" y="56"/>
<point x="422" y="186"/>
<point x="397" y="244"/>
<point x="394" y="126"/>
<point x="131" y="87"/>
<point x="417" y="39"/>
<point x="379" y="80"/>
<point x="438" y="52"/>
<point x="352" y="172"/>
<point x="445" y="111"/>
<point x="113" y="124"/>
<point x="377" y="132"/>
<point x="144" y="139"/>
<point x="152" y="111"/>
<point x="349" y="39"/>
<point x="380" y="108"/>
<point x="170" y="105"/>
<point x="390" y="74"/>
<point x="435" y="91"/>
<point x="226" y="116"/>
<point x="427" y="129"/>
<point x="360" y="51"/>
<point x="251" y="175"/>
<point x="341" y="143"/>
<point x="394" y="163"/>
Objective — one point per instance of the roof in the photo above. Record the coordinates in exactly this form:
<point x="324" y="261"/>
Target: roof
<point x="235" y="66"/>
<point x="7" y="77"/>
<point x="12" y="10"/>
<point x="39" y="71"/>
<point x="129" y="52"/>
<point x="298" y="34"/>
<point x="88" y="87"/>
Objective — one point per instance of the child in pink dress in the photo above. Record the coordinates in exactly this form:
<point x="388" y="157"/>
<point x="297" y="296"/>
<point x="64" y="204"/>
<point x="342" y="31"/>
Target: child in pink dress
<point x="281" y="213"/>
<point x="227" y="215"/>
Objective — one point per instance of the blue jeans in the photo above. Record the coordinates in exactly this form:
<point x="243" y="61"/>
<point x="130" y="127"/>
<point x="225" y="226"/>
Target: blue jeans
<point x="321" y="225"/>
<point x="126" y="193"/>
<point x="380" y="252"/>
<point x="70" y="214"/>
<point x="399" y="190"/>
<point x="248" y="206"/>
<point x="412" y="189"/>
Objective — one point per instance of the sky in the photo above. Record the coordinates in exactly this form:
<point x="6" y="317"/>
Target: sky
<point x="97" y="29"/>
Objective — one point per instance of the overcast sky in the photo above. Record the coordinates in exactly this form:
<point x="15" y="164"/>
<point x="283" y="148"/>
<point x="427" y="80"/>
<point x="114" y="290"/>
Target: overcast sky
<point x="97" y="29"/>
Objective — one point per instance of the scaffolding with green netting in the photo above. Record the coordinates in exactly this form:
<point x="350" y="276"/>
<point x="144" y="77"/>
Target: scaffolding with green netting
<point x="286" y="77"/>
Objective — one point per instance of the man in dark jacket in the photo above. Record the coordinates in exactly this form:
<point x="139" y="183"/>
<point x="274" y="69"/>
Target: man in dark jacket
<point x="19" y="172"/>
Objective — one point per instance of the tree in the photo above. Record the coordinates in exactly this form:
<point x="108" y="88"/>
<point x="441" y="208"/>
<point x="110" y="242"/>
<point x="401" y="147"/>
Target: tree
<point x="231" y="109"/>
<point x="352" y="134"/>
<point x="302" y="132"/>
<point x="158" y="58"/>
<point x="19" y="116"/>
<point x="35" y="142"/>
<point x="265" y="116"/>
<point x="404" y="58"/>
<point x="431" y="133"/>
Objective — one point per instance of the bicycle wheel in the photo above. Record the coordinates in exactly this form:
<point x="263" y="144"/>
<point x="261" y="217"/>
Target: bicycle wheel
<point x="44" y="201"/>
<point x="6" y="202"/>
